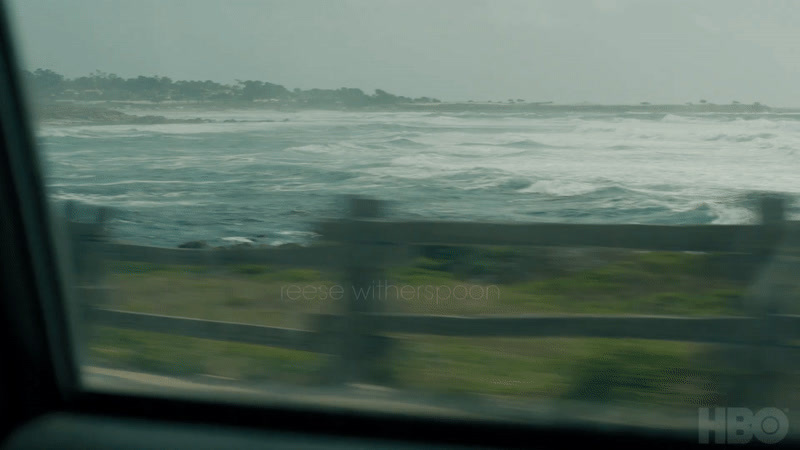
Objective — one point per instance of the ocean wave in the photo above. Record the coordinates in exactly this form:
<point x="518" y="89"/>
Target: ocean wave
<point x="672" y="118"/>
<point x="128" y="131"/>
<point x="293" y="237"/>
<point x="741" y="137"/>
<point x="403" y="142"/>
<point x="312" y="148"/>
<point x="559" y="188"/>
<point x="126" y="182"/>
<point x="699" y="213"/>
<point x="516" y="184"/>
<point x="760" y="122"/>
<point x="526" y="143"/>
<point x="488" y="167"/>
<point x="614" y="205"/>
<point x="586" y="128"/>
<point x="237" y="240"/>
<point x="93" y="132"/>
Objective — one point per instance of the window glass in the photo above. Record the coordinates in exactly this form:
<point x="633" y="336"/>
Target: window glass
<point x="517" y="210"/>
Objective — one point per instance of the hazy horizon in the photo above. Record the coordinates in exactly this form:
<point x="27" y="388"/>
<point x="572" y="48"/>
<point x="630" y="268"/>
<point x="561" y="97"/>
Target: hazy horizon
<point x="601" y="52"/>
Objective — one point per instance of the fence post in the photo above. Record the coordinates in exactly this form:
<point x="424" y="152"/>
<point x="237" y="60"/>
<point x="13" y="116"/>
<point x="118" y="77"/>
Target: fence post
<point x="361" y="347"/>
<point x="756" y="384"/>
<point x="85" y="239"/>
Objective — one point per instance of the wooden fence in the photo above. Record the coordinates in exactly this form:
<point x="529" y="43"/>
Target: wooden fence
<point x="362" y="245"/>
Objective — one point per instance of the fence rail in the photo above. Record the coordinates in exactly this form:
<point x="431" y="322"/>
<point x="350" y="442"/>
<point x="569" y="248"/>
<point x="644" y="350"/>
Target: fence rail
<point x="288" y="338"/>
<point x="748" y="330"/>
<point x="363" y="244"/>
<point x="700" y="238"/>
<point x="392" y="238"/>
<point x="317" y="257"/>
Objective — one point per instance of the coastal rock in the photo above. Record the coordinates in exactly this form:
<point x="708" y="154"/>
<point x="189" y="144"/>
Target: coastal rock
<point x="92" y="114"/>
<point x="194" y="244"/>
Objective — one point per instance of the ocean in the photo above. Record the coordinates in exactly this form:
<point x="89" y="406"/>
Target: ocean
<point x="268" y="176"/>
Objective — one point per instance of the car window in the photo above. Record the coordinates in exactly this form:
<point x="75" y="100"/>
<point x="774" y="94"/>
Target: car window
<point x="521" y="211"/>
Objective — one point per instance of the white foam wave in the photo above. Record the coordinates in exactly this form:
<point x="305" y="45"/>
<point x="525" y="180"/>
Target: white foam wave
<point x="560" y="188"/>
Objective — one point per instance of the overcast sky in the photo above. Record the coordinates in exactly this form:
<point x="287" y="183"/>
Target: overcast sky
<point x="602" y="51"/>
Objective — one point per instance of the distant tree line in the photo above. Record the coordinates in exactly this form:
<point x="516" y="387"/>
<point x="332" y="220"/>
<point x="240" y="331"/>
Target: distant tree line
<point x="49" y="85"/>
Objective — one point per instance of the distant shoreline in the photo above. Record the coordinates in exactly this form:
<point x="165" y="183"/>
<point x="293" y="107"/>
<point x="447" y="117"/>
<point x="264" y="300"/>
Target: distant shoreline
<point x="109" y="112"/>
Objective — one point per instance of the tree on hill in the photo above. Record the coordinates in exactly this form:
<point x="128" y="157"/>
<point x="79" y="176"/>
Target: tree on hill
<point x="45" y="82"/>
<point x="103" y="86"/>
<point x="251" y="90"/>
<point x="382" y="97"/>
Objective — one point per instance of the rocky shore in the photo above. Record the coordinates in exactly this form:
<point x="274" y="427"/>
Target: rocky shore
<point x="89" y="114"/>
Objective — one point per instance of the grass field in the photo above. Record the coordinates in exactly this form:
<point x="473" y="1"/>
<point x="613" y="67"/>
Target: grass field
<point x="652" y="372"/>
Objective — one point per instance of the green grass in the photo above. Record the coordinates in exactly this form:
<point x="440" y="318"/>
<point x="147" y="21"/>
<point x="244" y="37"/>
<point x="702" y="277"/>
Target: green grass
<point x="594" y="369"/>
<point x="178" y="355"/>
<point x="575" y="369"/>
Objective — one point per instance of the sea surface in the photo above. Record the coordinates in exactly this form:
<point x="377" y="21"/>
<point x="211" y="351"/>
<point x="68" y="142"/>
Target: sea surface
<point x="268" y="176"/>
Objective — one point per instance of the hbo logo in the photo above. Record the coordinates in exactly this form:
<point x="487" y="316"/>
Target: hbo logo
<point x="740" y="425"/>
